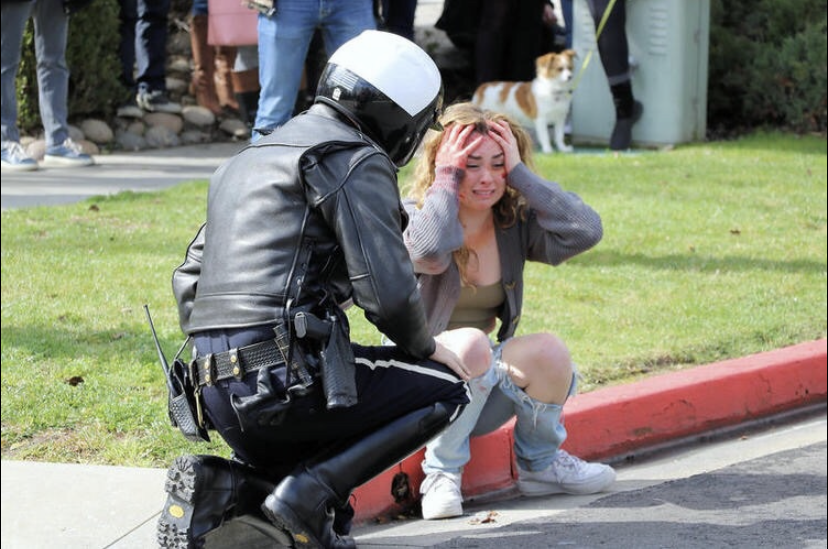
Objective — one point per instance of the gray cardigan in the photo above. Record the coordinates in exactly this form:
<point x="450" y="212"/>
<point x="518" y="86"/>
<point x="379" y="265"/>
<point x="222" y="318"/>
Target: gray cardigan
<point x="558" y="225"/>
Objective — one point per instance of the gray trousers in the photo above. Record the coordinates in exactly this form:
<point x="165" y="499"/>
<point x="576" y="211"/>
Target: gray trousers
<point x="51" y="26"/>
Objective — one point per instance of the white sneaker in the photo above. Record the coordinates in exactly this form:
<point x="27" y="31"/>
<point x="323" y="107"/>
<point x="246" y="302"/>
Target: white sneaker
<point x="441" y="496"/>
<point x="67" y="155"/>
<point x="16" y="159"/>
<point x="566" y="475"/>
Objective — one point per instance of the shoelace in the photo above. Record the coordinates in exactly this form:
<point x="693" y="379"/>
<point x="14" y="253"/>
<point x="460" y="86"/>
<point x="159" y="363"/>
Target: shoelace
<point x="566" y="461"/>
<point x="72" y="146"/>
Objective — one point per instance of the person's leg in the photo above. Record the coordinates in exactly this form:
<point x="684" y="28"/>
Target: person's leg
<point x="128" y="19"/>
<point x="346" y="20"/>
<point x="526" y="40"/>
<point x="151" y="44"/>
<point x="225" y="60"/>
<point x="398" y="17"/>
<point x="14" y="17"/>
<point x="402" y="404"/>
<point x="492" y="39"/>
<point x="283" y="45"/>
<point x="537" y="374"/>
<point x="566" y="12"/>
<point x="613" y="49"/>
<point x="304" y="502"/>
<point x="202" y="82"/>
<point x="151" y="57"/>
<point x="245" y="77"/>
<point x="447" y="454"/>
<point x="51" y="26"/>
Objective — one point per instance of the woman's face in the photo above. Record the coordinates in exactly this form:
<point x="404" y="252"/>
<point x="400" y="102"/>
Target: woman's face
<point x="484" y="181"/>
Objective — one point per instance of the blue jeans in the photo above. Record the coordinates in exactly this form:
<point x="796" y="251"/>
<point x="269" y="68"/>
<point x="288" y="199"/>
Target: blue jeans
<point x="283" y="46"/>
<point x="50" y="28"/>
<point x="495" y="399"/>
<point x="143" y="45"/>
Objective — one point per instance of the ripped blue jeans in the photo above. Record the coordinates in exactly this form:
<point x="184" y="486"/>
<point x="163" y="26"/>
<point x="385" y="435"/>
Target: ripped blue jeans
<point x="495" y="399"/>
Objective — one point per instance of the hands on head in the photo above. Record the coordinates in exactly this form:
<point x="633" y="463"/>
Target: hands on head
<point x="459" y="141"/>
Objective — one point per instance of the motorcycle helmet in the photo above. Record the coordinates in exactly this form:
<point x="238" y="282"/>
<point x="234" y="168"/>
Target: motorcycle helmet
<point x="387" y="85"/>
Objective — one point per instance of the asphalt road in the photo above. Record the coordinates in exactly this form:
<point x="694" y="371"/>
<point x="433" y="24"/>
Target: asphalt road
<point x="764" y="488"/>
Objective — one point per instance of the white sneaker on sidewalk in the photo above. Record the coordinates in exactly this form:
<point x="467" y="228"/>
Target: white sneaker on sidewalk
<point x="566" y="475"/>
<point x="67" y="155"/>
<point x="16" y="159"/>
<point x="441" y="496"/>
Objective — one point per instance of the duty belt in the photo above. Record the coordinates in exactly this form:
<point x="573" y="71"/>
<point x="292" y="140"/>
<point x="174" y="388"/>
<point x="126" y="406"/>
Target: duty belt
<point x="236" y="362"/>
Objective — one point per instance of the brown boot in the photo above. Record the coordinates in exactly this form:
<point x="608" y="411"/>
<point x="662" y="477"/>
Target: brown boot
<point x="225" y="58"/>
<point x="202" y="84"/>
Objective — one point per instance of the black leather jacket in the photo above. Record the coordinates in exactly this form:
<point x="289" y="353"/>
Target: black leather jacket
<point x="307" y="217"/>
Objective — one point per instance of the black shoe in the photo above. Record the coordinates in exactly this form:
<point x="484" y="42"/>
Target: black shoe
<point x="204" y="492"/>
<point x="156" y="101"/>
<point x="621" y="138"/>
<point x="303" y="506"/>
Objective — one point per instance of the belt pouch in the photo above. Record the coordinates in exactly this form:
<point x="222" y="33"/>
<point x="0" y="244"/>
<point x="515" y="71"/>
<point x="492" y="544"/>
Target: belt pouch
<point x="183" y="408"/>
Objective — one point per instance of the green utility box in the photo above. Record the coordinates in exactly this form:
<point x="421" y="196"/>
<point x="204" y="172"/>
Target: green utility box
<point x="669" y="44"/>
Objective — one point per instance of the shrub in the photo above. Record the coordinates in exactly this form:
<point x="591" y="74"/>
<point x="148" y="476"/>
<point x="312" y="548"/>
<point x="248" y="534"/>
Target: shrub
<point x="767" y="65"/>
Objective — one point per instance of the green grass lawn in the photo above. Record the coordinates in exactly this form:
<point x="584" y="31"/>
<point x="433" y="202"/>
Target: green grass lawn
<point x="710" y="251"/>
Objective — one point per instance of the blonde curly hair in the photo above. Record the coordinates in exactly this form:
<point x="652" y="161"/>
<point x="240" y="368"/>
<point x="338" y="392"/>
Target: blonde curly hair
<point x="511" y="206"/>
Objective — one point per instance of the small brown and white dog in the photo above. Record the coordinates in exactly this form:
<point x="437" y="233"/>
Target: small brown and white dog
<point x="537" y="104"/>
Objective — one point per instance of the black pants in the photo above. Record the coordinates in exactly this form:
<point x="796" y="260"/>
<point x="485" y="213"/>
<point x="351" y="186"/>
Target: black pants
<point x="612" y="44"/>
<point x="390" y="384"/>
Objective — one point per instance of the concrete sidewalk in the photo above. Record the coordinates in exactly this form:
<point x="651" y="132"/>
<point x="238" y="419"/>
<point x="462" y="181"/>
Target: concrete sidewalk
<point x="113" y="173"/>
<point x="47" y="505"/>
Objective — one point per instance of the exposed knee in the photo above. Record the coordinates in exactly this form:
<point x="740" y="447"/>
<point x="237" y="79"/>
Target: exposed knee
<point x="478" y="356"/>
<point x="555" y="357"/>
<point x="546" y="371"/>
<point x="472" y="346"/>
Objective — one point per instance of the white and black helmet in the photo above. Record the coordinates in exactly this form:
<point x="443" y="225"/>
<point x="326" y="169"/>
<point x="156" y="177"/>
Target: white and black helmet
<point x="389" y="86"/>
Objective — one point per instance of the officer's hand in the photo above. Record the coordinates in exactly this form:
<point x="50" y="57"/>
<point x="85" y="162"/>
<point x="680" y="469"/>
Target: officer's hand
<point x="448" y="357"/>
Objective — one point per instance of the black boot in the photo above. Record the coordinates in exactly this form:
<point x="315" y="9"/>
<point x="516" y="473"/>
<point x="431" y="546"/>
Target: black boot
<point x="205" y="491"/>
<point x="248" y="106"/>
<point x="246" y="86"/>
<point x="304" y="502"/>
<point x="627" y="113"/>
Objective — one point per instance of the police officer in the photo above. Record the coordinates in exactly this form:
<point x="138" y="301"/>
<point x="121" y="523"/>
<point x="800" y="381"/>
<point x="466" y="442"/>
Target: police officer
<point x="299" y="224"/>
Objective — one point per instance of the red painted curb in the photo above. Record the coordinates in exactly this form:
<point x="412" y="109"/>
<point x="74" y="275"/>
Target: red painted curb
<point x="610" y="422"/>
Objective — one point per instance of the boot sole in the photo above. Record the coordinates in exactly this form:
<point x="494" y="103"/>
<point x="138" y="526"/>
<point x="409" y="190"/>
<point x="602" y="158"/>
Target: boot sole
<point x="174" y="523"/>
